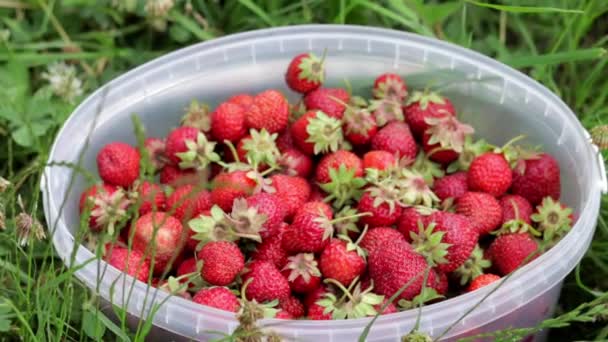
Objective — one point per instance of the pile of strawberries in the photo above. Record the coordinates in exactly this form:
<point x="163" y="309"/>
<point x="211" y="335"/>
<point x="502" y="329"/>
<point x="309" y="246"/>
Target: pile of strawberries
<point x="324" y="208"/>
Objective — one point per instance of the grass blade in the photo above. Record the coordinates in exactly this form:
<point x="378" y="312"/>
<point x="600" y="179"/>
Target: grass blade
<point x="258" y="11"/>
<point x="556" y="58"/>
<point x="524" y="9"/>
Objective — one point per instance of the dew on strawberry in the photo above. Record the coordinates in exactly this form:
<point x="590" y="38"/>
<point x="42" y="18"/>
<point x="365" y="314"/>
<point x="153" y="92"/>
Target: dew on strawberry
<point x="326" y="206"/>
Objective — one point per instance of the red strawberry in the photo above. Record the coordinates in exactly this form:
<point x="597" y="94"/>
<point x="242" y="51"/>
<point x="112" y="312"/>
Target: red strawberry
<point x="441" y="284"/>
<point x="271" y="206"/>
<point x="271" y="250"/>
<point x="296" y="163"/>
<point x="228" y="186"/>
<point x="151" y="196"/>
<point x="359" y="125"/>
<point x="510" y="251"/>
<point x="156" y="152"/>
<point x="491" y="173"/>
<point x="158" y="234"/>
<point x="409" y="222"/>
<point x="267" y="282"/>
<point x="377" y="237"/>
<point x="131" y="262"/>
<point x="331" y="101"/>
<point x="312" y="297"/>
<point x="481" y="281"/>
<point x="535" y="179"/>
<point x="243" y="100"/>
<point x="228" y="122"/>
<point x="315" y="132"/>
<point x="305" y="73"/>
<point x="293" y="191"/>
<point x="108" y="206"/>
<point x="394" y="266"/>
<point x="379" y="160"/>
<point x="381" y="214"/>
<point x="308" y="232"/>
<point x="292" y="305"/>
<point x="316" y="194"/>
<point x="334" y="161"/>
<point x="219" y="298"/>
<point x="176" y="142"/>
<point x="186" y="202"/>
<point x="270" y="111"/>
<point x="222" y="261"/>
<point x="458" y="234"/>
<point x="118" y="164"/>
<point x="187" y="266"/>
<point x="483" y="210"/>
<point x="515" y="207"/>
<point x="316" y="312"/>
<point x="285" y="141"/>
<point x="389" y="86"/>
<point x="423" y="105"/>
<point x="341" y="261"/>
<point x="174" y="176"/>
<point x="451" y="186"/>
<point x="396" y="138"/>
<point x="302" y="273"/>
<point x="390" y="308"/>
<point x="444" y="140"/>
<point x="282" y="314"/>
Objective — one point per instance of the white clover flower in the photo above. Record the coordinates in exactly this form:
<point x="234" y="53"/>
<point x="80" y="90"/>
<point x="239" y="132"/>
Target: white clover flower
<point x="28" y="227"/>
<point x="63" y="81"/>
<point x="158" y="8"/>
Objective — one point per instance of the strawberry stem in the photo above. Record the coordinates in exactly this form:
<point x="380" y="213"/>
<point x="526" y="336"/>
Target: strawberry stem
<point x="362" y="235"/>
<point x="340" y="219"/>
<point x="419" y="315"/>
<point x="346" y="292"/>
<point x="244" y="288"/>
<point x="235" y="155"/>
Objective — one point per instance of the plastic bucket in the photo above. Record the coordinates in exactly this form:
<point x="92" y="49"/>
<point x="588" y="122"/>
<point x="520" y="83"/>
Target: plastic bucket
<point x="499" y="101"/>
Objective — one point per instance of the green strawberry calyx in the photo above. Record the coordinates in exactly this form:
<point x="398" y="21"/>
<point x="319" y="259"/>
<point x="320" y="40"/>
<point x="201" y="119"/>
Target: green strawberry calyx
<point x="344" y="227"/>
<point x="599" y="136"/>
<point x="516" y="225"/>
<point x="417" y="336"/>
<point x="199" y="155"/>
<point x="473" y="266"/>
<point x="386" y="110"/>
<point x="302" y="265"/>
<point x="426" y="295"/>
<point x="470" y="151"/>
<point x="428" y="243"/>
<point x="312" y="68"/>
<point x="246" y="222"/>
<point x="109" y="209"/>
<point x="427" y="168"/>
<point x="198" y="116"/>
<point x="358" y="119"/>
<point x="325" y="133"/>
<point x="251" y="311"/>
<point x="424" y="98"/>
<point x="553" y="219"/>
<point x="390" y="88"/>
<point x="354" y="303"/>
<point x="328" y="225"/>
<point x="344" y="187"/>
<point x="448" y="132"/>
<point x="261" y="148"/>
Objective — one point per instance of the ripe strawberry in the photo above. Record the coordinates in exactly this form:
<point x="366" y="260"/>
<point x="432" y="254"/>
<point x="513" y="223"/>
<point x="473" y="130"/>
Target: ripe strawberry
<point x="444" y="140"/>
<point x="394" y="266"/>
<point x="131" y="262"/>
<point x="342" y="261"/>
<point x="377" y="237"/>
<point x="389" y="85"/>
<point x="186" y="202"/>
<point x="285" y="141"/>
<point x="176" y="142"/>
<point x="491" y="173"/>
<point x="118" y="164"/>
<point x="423" y="105"/>
<point x="481" y="281"/>
<point x="510" y="251"/>
<point x="390" y="308"/>
<point x="270" y="111"/>
<point x="293" y="191"/>
<point x="271" y="250"/>
<point x="174" y="176"/>
<point x="457" y="240"/>
<point x="381" y="214"/>
<point x="310" y="230"/>
<point x="228" y="122"/>
<point x="267" y="282"/>
<point x="305" y="73"/>
<point x="473" y="267"/>
<point x="535" y="179"/>
<point x="515" y="207"/>
<point x="331" y="101"/>
<point x="409" y="221"/>
<point x="151" y="197"/>
<point x="312" y="297"/>
<point x="222" y="262"/>
<point x="243" y="100"/>
<point x="359" y="124"/>
<point x="334" y="161"/>
<point x="396" y="138"/>
<point x="315" y="132"/>
<point x="188" y="267"/>
<point x="228" y="186"/>
<point x="451" y="186"/>
<point x="271" y="206"/>
<point x="483" y="210"/>
<point x="316" y="312"/>
<point x="219" y="298"/>
<point x="316" y="194"/>
<point x="302" y="273"/>
<point x="292" y="305"/>
<point x="379" y="160"/>
<point x="158" y="234"/>
<point x="156" y="152"/>
<point x="295" y="163"/>
<point x="441" y="284"/>
<point x="108" y="206"/>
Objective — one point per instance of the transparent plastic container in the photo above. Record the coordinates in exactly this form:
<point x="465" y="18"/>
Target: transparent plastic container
<point x="498" y="101"/>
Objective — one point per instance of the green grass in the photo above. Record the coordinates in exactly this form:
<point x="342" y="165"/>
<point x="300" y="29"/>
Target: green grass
<point x="561" y="43"/>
